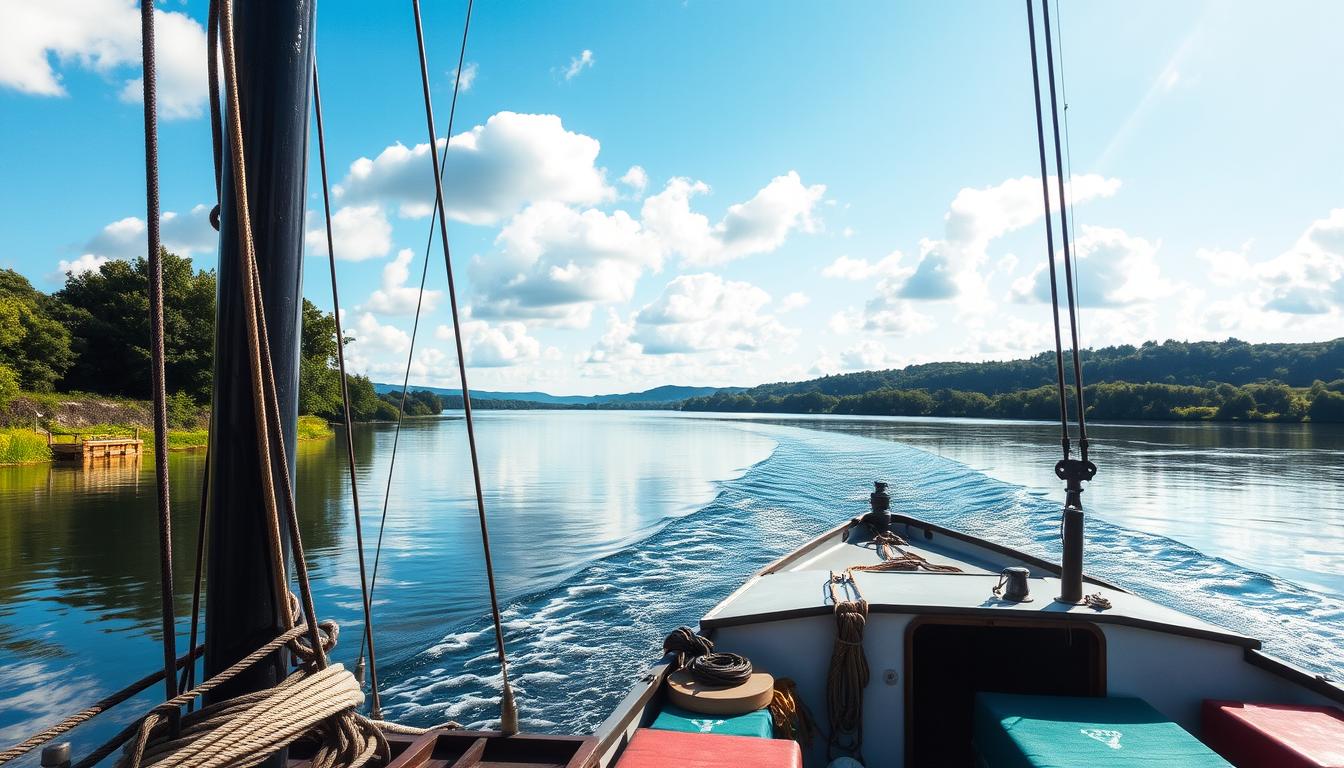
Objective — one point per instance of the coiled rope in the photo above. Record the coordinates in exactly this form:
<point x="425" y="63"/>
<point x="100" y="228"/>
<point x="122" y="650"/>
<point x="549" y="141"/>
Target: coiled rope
<point x="894" y="558"/>
<point x="847" y="675"/>
<point x="686" y="644"/>
<point x="790" y="715"/>
<point x="720" y="669"/>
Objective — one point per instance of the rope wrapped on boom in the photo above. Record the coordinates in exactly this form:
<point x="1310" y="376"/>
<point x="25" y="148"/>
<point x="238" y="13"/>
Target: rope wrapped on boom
<point x="847" y="675"/>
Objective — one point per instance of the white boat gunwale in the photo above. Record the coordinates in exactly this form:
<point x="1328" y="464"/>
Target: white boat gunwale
<point x="637" y="707"/>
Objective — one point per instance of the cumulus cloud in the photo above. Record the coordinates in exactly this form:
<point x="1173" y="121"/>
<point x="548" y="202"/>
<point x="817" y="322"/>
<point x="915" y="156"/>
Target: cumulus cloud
<point x="490" y="172"/>
<point x="795" y="300"/>
<point x="1113" y="269"/>
<point x="951" y="267"/>
<point x="885" y="313"/>
<point x="374" y="335"/>
<point x="849" y="268"/>
<point x="359" y="232"/>
<point x="554" y="262"/>
<point x="102" y="36"/>
<point x="704" y="312"/>
<point x="579" y="63"/>
<point x="759" y="225"/>
<point x="186" y="234"/>
<point x="866" y="355"/>
<point x="1308" y="279"/>
<point x="494" y="346"/>
<point x="86" y="263"/>
<point x="395" y="297"/>
<point x="636" y="179"/>
<point x="467" y="77"/>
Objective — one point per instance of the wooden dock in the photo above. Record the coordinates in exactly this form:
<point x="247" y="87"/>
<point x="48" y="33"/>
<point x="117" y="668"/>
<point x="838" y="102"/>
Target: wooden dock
<point x="88" y="448"/>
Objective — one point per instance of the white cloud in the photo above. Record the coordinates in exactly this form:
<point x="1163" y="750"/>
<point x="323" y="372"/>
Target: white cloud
<point x="848" y="268"/>
<point x="885" y="313"/>
<point x="1112" y="269"/>
<point x="467" y="78"/>
<point x="186" y="234"/>
<point x="554" y="263"/>
<point x="579" y="63"/>
<point x="865" y="355"/>
<point x="359" y="232"/>
<point x="795" y="300"/>
<point x="395" y="297"/>
<point x="102" y="36"/>
<point x="494" y="346"/>
<point x="704" y="312"/>
<point x="373" y="334"/>
<point x="1308" y="279"/>
<point x="490" y="172"/>
<point x="615" y="343"/>
<point x="759" y="225"/>
<point x="86" y="263"/>
<point x="636" y="179"/>
<point x="1224" y="267"/>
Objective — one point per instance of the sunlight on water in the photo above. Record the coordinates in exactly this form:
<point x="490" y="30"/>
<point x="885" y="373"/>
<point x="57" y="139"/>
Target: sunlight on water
<point x="609" y="529"/>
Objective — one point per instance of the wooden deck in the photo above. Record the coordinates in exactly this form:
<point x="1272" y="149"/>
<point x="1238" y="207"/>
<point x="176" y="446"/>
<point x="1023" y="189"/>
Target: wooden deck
<point x="95" y="447"/>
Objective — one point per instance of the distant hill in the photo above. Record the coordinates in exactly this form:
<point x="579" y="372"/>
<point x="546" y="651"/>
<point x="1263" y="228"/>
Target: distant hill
<point x="1173" y="362"/>
<point x="663" y="395"/>
<point x="1207" y="380"/>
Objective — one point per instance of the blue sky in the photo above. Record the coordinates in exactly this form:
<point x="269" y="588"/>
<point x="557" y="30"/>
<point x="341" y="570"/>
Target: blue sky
<point x="820" y="187"/>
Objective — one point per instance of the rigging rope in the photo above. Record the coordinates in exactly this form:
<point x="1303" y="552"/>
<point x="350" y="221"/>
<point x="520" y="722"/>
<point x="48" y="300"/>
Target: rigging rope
<point x="1068" y="144"/>
<point x="157" y="377"/>
<point x="415" y="324"/>
<point x="508" y="711"/>
<point x="1064" y="234"/>
<point x="375" y="706"/>
<point x="1065" y="440"/>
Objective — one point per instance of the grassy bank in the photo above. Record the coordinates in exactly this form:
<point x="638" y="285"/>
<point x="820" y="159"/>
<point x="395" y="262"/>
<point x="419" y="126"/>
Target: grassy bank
<point x="72" y="416"/>
<point x="22" y="446"/>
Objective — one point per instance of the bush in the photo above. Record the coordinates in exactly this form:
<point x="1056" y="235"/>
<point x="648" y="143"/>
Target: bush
<point x="183" y="413"/>
<point x="23" y="446"/>
<point x="314" y="428"/>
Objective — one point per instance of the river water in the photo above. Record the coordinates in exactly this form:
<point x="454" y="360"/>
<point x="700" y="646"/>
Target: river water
<point x="611" y="528"/>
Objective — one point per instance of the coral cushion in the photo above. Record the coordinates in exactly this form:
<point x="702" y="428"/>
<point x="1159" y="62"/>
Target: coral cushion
<point x="1277" y="735"/>
<point x="659" y="749"/>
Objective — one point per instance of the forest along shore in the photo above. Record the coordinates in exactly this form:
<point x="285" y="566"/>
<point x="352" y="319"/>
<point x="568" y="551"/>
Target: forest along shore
<point x="76" y="362"/>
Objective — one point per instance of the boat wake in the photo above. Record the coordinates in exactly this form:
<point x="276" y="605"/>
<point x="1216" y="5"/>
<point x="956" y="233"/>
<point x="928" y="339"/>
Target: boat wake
<point x="576" y="648"/>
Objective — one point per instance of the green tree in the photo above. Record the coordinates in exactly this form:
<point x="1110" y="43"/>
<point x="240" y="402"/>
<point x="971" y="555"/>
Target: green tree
<point x="9" y="386"/>
<point x="319" y="381"/>
<point x="107" y="311"/>
<point x="1327" y="406"/>
<point x="33" y="343"/>
<point x="1238" y="405"/>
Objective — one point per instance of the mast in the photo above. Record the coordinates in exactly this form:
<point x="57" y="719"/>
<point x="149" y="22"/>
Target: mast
<point x="274" y="44"/>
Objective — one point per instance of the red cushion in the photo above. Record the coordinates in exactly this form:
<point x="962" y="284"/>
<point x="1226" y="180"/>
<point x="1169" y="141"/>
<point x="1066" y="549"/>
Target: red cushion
<point x="1275" y="735"/>
<point x="660" y="749"/>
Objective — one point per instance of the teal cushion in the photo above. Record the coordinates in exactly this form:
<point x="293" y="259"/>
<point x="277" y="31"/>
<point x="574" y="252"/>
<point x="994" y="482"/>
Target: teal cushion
<point x="1016" y="731"/>
<point x="756" y="723"/>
